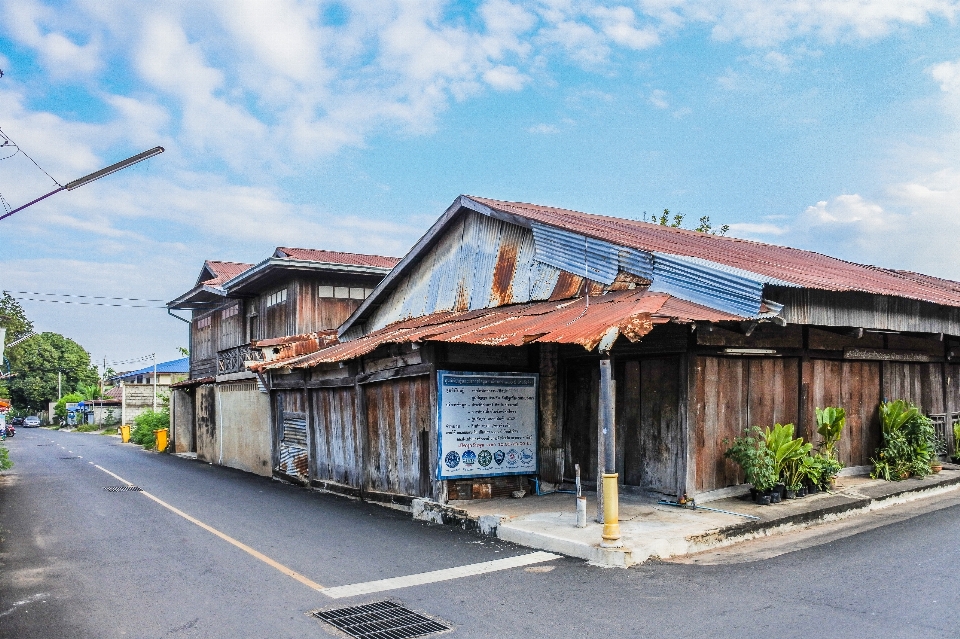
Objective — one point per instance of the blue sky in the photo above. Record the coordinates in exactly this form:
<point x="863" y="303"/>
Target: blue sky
<point x="351" y="125"/>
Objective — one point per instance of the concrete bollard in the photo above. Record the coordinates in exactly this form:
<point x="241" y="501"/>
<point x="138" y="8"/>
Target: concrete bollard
<point x="581" y="512"/>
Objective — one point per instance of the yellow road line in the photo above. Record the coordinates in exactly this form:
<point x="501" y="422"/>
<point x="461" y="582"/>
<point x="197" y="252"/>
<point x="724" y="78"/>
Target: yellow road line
<point x="309" y="583"/>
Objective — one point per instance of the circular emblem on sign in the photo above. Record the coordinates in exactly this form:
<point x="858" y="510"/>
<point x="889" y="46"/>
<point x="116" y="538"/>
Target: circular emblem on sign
<point x="452" y="460"/>
<point x="469" y="457"/>
<point x="526" y="456"/>
<point x="499" y="457"/>
<point x="513" y="457"/>
<point x="484" y="458"/>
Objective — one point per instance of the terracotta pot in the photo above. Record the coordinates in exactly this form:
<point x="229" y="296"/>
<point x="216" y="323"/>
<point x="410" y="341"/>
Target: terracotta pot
<point x="935" y="468"/>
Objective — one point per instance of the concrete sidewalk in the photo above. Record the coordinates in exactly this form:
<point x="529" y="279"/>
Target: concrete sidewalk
<point x="652" y="530"/>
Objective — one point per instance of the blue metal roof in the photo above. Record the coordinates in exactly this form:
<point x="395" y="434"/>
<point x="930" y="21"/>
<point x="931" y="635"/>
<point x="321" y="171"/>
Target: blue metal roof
<point x="173" y="366"/>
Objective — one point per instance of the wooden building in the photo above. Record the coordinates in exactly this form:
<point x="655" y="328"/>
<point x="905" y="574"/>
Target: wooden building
<point x="290" y="303"/>
<point x="706" y="335"/>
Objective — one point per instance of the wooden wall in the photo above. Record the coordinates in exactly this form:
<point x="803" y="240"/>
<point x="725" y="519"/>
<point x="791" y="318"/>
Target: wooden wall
<point x="337" y="449"/>
<point x="399" y="428"/>
<point x="291" y="441"/>
<point x="855" y="387"/>
<point x="729" y="394"/>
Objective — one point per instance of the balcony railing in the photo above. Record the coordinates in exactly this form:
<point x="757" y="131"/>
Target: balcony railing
<point x="232" y="360"/>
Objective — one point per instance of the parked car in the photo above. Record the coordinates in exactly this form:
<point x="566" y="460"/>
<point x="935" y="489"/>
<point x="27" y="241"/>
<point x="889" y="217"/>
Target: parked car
<point x="17" y="421"/>
<point x="31" y="421"/>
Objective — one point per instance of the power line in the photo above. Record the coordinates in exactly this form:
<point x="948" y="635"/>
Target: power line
<point x="95" y="297"/>
<point x="32" y="299"/>
<point x="19" y="149"/>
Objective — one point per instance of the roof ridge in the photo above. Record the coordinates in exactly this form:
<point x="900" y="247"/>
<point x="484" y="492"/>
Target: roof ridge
<point x="295" y="248"/>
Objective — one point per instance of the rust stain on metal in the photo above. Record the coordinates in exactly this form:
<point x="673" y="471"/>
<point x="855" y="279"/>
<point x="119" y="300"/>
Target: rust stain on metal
<point x="300" y="462"/>
<point x="801" y="268"/>
<point x="568" y="285"/>
<point x="571" y="321"/>
<point x="503" y="270"/>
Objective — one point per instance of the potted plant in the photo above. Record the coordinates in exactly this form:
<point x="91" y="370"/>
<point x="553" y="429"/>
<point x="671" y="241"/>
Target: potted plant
<point x="909" y="443"/>
<point x="956" y="439"/>
<point x="939" y="450"/>
<point x="750" y="452"/>
<point x="785" y="451"/>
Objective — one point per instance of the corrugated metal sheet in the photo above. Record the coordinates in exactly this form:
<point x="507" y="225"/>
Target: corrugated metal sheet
<point x="571" y="321"/>
<point x="336" y="257"/>
<point x="480" y="262"/>
<point x="719" y="286"/>
<point x="794" y="266"/>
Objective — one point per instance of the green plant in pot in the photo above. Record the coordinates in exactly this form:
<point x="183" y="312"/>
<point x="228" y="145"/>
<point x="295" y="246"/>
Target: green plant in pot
<point x="956" y="438"/>
<point x="909" y="442"/>
<point x="830" y="423"/>
<point x="785" y="449"/>
<point x="750" y="452"/>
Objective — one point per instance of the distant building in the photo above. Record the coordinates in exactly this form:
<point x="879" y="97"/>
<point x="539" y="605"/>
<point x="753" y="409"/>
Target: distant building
<point x="136" y="392"/>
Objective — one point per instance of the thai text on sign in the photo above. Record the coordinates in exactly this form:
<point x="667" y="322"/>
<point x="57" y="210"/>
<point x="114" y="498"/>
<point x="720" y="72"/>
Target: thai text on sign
<point x="487" y="424"/>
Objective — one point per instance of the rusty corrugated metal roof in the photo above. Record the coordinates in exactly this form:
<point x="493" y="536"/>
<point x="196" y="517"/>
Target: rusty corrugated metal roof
<point x="224" y="271"/>
<point x="632" y="313"/>
<point x="799" y="267"/>
<point x="337" y="257"/>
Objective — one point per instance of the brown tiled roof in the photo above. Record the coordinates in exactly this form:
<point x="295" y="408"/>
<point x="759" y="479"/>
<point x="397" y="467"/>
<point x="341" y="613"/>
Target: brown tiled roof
<point x="570" y="321"/>
<point x="338" y="257"/>
<point x="224" y="271"/>
<point x="805" y="269"/>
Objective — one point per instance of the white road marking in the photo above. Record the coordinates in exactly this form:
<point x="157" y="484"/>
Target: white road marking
<point x="439" y="575"/>
<point x="351" y="590"/>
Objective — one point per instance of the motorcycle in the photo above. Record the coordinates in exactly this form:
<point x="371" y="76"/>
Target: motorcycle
<point x="11" y="431"/>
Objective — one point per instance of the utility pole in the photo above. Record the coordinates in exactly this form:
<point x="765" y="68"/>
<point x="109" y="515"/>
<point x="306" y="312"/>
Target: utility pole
<point x="154" y="382"/>
<point x="59" y="385"/>
<point x="610" y="538"/>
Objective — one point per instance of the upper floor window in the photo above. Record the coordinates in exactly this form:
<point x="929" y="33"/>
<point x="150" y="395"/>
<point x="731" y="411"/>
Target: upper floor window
<point x="277" y="298"/>
<point x="230" y="312"/>
<point x="204" y="322"/>
<point x="344" y="292"/>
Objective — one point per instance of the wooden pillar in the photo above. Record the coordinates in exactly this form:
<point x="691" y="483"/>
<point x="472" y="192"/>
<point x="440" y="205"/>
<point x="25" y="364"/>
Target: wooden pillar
<point x="551" y="446"/>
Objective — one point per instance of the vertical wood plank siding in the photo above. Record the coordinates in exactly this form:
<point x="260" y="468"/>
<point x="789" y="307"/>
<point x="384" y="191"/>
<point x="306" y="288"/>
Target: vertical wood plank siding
<point x="398" y="411"/>
<point x="854" y="386"/>
<point x="582" y="385"/>
<point x="336" y="436"/>
<point x="729" y="394"/>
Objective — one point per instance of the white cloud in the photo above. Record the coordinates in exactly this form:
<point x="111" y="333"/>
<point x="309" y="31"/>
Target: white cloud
<point x="658" y="98"/>
<point x="35" y="25"/>
<point x="543" y="129"/>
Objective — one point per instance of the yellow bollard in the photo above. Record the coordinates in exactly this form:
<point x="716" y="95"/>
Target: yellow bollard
<point x="125" y="433"/>
<point x="610" y="538"/>
<point x="161" y="436"/>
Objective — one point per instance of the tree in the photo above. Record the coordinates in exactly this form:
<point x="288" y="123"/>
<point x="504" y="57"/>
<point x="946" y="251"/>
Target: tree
<point x="13" y="318"/>
<point x="60" y="410"/>
<point x="35" y="364"/>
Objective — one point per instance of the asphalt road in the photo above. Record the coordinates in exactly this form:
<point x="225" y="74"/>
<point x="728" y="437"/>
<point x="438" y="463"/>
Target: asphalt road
<point x="78" y="561"/>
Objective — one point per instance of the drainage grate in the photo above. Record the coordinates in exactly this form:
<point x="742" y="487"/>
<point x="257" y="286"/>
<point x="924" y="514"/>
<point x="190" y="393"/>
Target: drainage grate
<point x="121" y="489"/>
<point x="70" y="457"/>
<point x="380" y="620"/>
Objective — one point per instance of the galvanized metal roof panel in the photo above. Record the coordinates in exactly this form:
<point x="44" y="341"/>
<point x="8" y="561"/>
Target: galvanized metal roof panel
<point x="796" y="267"/>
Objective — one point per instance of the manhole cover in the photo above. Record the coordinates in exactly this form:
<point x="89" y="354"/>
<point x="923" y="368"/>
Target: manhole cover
<point x="380" y="620"/>
<point x="122" y="489"/>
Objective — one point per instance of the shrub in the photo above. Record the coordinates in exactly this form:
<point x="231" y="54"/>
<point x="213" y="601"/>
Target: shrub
<point x="145" y="424"/>
<point x="751" y="453"/>
<point x="909" y="442"/>
<point x="5" y="462"/>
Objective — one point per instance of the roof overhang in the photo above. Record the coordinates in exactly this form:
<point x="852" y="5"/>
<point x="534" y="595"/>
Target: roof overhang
<point x="264" y="273"/>
<point x="199" y="298"/>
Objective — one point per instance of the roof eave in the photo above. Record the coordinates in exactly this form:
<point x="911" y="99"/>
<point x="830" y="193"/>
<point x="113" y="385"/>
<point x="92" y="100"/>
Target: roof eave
<point x="183" y="303"/>
<point x="239" y="283"/>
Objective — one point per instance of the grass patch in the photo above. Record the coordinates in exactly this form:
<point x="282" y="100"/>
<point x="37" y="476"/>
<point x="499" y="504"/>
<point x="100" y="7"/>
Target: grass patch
<point x="87" y="428"/>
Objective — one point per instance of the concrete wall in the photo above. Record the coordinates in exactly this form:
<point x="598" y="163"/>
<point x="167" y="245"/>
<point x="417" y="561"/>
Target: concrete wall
<point x="244" y="422"/>
<point x="205" y="399"/>
<point x="138" y="398"/>
<point x="182" y="421"/>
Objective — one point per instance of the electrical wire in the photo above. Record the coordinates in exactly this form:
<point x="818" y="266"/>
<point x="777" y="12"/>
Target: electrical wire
<point x="20" y="150"/>
<point x="33" y="299"/>
<point x="95" y="297"/>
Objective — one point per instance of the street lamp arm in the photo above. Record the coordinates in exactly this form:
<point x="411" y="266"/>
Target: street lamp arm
<point x="96" y="175"/>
